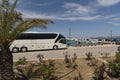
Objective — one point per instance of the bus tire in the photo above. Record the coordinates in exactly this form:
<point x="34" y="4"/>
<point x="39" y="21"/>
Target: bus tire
<point x="15" y="49"/>
<point x="55" y="47"/>
<point x="23" y="49"/>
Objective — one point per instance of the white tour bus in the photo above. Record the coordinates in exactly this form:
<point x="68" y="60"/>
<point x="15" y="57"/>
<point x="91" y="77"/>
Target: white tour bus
<point x="38" y="41"/>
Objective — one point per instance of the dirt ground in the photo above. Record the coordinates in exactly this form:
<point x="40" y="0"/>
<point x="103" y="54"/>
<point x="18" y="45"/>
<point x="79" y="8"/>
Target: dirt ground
<point x="83" y="68"/>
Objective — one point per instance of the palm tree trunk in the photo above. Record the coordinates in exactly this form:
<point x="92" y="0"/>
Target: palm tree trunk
<point x="6" y="65"/>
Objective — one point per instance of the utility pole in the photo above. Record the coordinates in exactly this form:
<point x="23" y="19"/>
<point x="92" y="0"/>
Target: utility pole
<point x="111" y="34"/>
<point x="69" y="33"/>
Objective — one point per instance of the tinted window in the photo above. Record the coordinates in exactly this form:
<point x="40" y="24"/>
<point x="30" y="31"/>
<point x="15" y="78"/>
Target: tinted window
<point x="37" y="36"/>
<point x="63" y="40"/>
<point x="59" y="37"/>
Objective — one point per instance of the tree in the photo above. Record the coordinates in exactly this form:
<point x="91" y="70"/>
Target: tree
<point x="11" y="26"/>
<point x="115" y="66"/>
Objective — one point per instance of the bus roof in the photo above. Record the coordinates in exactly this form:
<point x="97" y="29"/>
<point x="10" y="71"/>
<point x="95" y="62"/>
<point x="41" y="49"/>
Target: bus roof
<point x="43" y="32"/>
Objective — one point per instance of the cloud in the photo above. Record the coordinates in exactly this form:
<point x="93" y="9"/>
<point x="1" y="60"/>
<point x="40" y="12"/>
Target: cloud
<point x="77" y="9"/>
<point x="108" y="2"/>
<point x="116" y="19"/>
<point x="72" y="12"/>
<point x="31" y="14"/>
<point x="46" y="3"/>
<point x="115" y="23"/>
<point x="79" y="18"/>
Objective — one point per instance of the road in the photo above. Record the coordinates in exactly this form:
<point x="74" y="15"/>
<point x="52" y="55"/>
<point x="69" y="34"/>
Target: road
<point x="58" y="54"/>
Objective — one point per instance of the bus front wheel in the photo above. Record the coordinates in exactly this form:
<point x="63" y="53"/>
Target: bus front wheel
<point x="55" y="47"/>
<point x="15" y="49"/>
<point x="24" y="49"/>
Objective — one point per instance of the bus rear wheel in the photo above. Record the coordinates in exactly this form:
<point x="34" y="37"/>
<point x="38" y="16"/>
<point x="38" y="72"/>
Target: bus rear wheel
<point x="24" y="49"/>
<point x="15" y="49"/>
<point x="55" y="47"/>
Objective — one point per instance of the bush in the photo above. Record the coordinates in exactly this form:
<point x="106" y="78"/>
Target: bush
<point x="70" y="61"/>
<point x="99" y="72"/>
<point x="27" y="73"/>
<point x="48" y="70"/>
<point x="115" y="66"/>
<point x="93" y="62"/>
<point x="79" y="77"/>
<point x="105" y="55"/>
<point x="44" y="71"/>
<point x="89" y="55"/>
<point x="21" y="61"/>
<point x="40" y="58"/>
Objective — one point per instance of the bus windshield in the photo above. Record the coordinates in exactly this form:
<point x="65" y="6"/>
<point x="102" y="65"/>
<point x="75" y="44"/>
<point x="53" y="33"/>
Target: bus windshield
<point x="63" y="40"/>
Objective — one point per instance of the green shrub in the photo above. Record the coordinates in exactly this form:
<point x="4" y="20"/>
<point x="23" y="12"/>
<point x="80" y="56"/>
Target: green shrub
<point x="99" y="72"/>
<point x="44" y="71"/>
<point x="89" y="55"/>
<point x="47" y="70"/>
<point x="40" y="58"/>
<point x="115" y="66"/>
<point x="93" y="62"/>
<point x="105" y="55"/>
<point x="21" y="61"/>
<point x="27" y="73"/>
<point x="70" y="61"/>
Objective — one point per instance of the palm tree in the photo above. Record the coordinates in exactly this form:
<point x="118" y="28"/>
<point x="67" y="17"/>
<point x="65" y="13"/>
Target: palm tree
<point x="11" y="26"/>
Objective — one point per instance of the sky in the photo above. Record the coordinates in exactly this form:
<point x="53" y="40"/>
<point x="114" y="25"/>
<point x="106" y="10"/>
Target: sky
<point x="85" y="18"/>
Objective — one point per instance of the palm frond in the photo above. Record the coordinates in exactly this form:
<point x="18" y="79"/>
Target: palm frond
<point x="12" y="24"/>
<point x="14" y="5"/>
<point x="8" y="18"/>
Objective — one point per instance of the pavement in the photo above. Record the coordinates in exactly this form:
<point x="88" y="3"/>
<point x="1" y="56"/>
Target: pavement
<point x="59" y="54"/>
